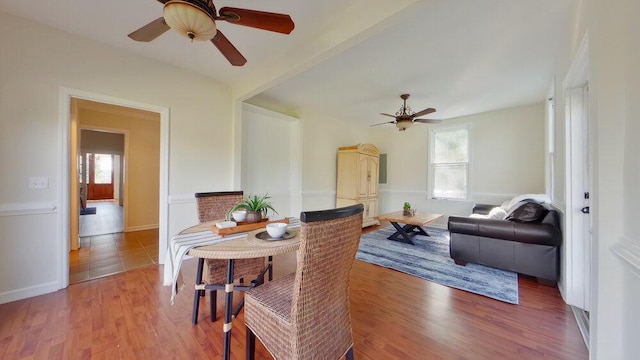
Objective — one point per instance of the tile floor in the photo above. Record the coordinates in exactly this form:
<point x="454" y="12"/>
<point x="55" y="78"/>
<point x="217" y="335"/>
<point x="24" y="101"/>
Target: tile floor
<point x="108" y="254"/>
<point x="107" y="251"/>
<point x="107" y="219"/>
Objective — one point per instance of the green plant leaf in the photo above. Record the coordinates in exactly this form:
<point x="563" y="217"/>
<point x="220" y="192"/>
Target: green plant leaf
<point x="254" y="203"/>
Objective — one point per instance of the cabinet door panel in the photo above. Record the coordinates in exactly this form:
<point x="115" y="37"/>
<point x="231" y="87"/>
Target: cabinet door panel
<point x="373" y="164"/>
<point x="365" y="176"/>
<point x="373" y="208"/>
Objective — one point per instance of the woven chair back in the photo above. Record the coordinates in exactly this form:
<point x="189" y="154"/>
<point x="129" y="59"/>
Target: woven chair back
<point x="214" y="205"/>
<point x="320" y="303"/>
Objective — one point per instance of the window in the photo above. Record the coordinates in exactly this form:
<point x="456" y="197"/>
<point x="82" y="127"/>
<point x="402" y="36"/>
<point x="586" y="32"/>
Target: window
<point x="450" y="162"/>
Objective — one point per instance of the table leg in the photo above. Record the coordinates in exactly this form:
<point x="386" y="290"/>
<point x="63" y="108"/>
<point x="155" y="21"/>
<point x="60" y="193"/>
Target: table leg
<point x="406" y="232"/>
<point x="420" y="230"/>
<point x="228" y="288"/>
<point x="401" y="234"/>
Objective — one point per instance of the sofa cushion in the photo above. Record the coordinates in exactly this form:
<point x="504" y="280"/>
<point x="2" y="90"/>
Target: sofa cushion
<point x="528" y="212"/>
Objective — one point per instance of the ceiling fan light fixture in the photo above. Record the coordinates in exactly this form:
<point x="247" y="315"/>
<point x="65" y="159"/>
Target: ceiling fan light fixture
<point x="189" y="20"/>
<point x="403" y="124"/>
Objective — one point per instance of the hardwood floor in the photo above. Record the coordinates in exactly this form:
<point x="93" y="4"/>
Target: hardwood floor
<point x="395" y="316"/>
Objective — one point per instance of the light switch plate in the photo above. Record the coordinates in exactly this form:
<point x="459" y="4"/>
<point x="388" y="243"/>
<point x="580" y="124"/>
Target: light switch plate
<point x="38" y="182"/>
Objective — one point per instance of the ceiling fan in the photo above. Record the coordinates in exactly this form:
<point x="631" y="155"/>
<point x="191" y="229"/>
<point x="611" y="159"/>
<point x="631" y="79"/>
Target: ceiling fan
<point x="405" y="117"/>
<point x="196" y="19"/>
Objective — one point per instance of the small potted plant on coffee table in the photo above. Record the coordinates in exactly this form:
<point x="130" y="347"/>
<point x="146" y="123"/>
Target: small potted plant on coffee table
<point x="407" y="210"/>
<point x="256" y="207"/>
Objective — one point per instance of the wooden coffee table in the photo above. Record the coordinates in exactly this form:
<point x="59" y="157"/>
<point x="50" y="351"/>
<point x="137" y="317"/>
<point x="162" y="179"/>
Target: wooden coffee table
<point x="412" y="225"/>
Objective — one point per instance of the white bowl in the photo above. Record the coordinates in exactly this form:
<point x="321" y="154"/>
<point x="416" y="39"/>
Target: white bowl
<point x="239" y="215"/>
<point x="276" y="230"/>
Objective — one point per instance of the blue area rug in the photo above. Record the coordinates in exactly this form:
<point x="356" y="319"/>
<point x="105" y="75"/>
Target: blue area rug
<point x="429" y="259"/>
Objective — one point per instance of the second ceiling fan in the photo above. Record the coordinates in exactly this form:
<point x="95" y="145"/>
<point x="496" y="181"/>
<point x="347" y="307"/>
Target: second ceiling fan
<point x="405" y="117"/>
<point x="196" y="19"/>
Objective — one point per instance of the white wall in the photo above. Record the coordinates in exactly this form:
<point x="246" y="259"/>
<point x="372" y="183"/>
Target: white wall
<point x="507" y="158"/>
<point x="270" y="160"/>
<point x="321" y="137"/>
<point x="614" y="31"/>
<point x="35" y="62"/>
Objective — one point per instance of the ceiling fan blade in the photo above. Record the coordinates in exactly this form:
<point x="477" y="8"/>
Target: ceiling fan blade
<point x="163" y="1"/>
<point x="150" y="31"/>
<point x="427" y="121"/>
<point x="280" y="23"/>
<point x="386" y="122"/>
<point x="228" y="50"/>
<point x="393" y="116"/>
<point x="424" y="112"/>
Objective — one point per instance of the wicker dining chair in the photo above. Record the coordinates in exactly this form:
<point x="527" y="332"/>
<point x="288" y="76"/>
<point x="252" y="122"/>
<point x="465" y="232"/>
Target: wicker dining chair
<point x="214" y="206"/>
<point x="306" y="315"/>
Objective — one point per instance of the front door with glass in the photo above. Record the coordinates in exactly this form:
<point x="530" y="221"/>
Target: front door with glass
<point x="99" y="176"/>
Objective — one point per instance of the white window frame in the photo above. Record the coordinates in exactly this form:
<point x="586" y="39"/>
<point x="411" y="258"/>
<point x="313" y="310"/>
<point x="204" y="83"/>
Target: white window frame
<point x="432" y="165"/>
<point x="550" y="124"/>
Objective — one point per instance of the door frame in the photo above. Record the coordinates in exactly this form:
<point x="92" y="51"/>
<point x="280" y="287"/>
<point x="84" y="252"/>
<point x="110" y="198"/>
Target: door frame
<point x="64" y="115"/>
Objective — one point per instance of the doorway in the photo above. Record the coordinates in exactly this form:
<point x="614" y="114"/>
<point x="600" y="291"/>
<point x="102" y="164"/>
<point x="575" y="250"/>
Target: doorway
<point x="110" y="238"/>
<point x="578" y="190"/>
<point x="69" y="204"/>
<point x="99" y="175"/>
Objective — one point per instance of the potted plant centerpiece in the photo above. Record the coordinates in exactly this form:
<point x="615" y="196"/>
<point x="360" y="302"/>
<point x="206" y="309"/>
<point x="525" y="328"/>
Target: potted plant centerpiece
<point x="407" y="210"/>
<point x="256" y="207"/>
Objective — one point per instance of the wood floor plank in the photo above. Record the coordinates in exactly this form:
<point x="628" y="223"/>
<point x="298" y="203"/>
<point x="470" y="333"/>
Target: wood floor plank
<point x="394" y="315"/>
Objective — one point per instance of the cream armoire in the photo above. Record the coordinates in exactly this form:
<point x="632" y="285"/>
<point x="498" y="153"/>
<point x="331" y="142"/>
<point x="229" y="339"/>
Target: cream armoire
<point x="358" y="179"/>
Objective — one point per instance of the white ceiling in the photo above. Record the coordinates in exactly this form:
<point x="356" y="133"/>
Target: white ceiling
<point x="460" y="57"/>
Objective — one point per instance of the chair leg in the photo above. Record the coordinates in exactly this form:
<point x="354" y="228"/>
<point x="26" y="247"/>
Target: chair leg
<point x="349" y="355"/>
<point x="196" y="296"/>
<point x="213" y="302"/>
<point x="251" y="345"/>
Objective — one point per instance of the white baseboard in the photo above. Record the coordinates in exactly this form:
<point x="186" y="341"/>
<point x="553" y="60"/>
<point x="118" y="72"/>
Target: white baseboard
<point x="141" y="227"/>
<point x="28" y="292"/>
<point x="583" y="324"/>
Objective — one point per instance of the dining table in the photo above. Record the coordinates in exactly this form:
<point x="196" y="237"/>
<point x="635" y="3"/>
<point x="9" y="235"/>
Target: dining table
<point x="201" y="242"/>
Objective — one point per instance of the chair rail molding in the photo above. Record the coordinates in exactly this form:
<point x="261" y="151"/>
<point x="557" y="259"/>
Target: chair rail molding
<point x="422" y="193"/>
<point x="182" y="199"/>
<point x="628" y="251"/>
<point x="27" y="208"/>
<point x="490" y="198"/>
<point x="318" y="194"/>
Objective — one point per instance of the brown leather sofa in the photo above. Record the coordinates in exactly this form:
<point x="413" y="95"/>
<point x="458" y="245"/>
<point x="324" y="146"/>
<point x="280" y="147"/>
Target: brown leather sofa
<point x="529" y="247"/>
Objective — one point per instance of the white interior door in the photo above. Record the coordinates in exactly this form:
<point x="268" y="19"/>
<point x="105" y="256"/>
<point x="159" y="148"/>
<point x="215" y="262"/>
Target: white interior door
<point x="578" y="219"/>
<point x="586" y="209"/>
